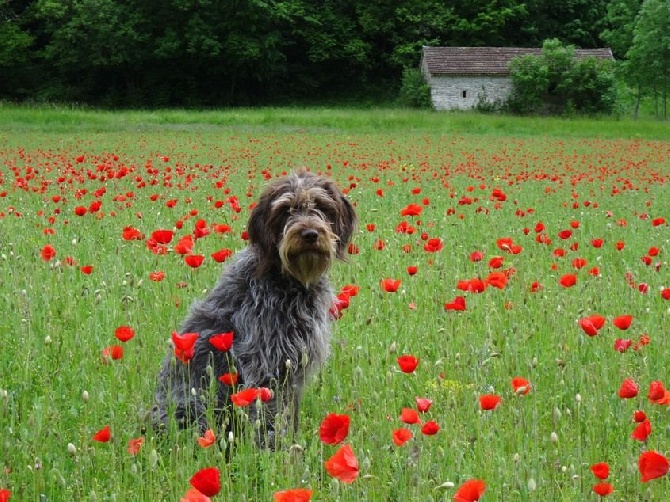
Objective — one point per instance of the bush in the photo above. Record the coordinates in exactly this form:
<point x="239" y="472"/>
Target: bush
<point x="558" y="83"/>
<point x="414" y="90"/>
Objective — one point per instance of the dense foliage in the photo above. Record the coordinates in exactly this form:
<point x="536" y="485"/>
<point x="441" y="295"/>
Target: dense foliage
<point x="238" y="52"/>
<point x="558" y="82"/>
<point x="154" y="53"/>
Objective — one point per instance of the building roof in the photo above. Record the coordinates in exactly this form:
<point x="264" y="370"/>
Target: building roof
<point x="486" y="60"/>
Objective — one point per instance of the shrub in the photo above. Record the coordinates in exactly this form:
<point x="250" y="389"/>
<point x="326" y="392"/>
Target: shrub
<point x="556" y="82"/>
<point x="414" y="90"/>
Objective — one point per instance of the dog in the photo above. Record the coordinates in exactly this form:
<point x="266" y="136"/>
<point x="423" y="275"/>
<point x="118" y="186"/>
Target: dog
<point x="275" y="298"/>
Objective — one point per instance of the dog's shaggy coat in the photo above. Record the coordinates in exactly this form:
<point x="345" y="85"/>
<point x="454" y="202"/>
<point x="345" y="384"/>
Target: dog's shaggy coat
<point x="275" y="298"/>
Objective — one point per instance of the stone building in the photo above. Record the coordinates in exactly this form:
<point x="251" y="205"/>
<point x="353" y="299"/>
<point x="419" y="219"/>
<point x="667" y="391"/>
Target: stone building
<point x="459" y="77"/>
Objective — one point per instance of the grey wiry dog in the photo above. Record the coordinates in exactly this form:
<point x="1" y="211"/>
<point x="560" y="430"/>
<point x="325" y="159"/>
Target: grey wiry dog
<point x="275" y="298"/>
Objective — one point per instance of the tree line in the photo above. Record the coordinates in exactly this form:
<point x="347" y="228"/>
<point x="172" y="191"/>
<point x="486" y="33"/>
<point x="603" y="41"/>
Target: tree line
<point x="247" y="52"/>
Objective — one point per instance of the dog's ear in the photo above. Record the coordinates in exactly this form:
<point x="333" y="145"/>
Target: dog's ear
<point x="260" y="234"/>
<point x="345" y="224"/>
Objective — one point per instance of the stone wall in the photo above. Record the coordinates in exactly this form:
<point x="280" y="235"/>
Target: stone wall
<point x="463" y="92"/>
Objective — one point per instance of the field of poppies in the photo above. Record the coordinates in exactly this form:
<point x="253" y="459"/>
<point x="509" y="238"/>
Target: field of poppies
<point x="500" y="332"/>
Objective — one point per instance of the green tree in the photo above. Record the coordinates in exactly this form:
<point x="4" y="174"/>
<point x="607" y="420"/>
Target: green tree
<point x="649" y="54"/>
<point x="15" y="49"/>
<point x="92" y="47"/>
<point x="618" y="35"/>
<point x="558" y="82"/>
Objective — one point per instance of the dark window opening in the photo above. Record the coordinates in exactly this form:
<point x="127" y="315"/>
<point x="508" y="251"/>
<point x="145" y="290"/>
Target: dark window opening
<point x="464" y="94"/>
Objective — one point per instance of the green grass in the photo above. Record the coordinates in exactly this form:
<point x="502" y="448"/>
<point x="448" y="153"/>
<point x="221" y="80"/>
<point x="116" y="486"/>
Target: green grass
<point x="57" y="320"/>
<point x="52" y="119"/>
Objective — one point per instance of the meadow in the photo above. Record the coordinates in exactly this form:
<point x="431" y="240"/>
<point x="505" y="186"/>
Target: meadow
<point x="522" y="263"/>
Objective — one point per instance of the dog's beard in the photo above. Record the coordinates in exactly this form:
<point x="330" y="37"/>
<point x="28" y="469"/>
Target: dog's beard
<point x="307" y="262"/>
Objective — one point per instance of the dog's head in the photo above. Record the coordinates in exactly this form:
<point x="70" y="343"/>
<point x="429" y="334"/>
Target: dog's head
<point x="302" y="223"/>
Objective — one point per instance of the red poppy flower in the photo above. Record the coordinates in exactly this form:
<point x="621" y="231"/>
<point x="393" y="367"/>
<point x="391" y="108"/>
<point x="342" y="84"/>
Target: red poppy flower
<point x="521" y="386"/>
<point x="652" y="465"/>
<point x="412" y="269"/>
<point x="193" y="495"/>
<point x="476" y="285"/>
<point x="430" y="428"/>
<point x="411" y="210"/>
<point x="592" y="324"/>
<point x="497" y="280"/>
<point x="664" y="400"/>
<point x="601" y="470"/>
<point x="222" y="255"/>
<point x="401" y="436"/>
<point x="405" y="228"/>
<point x="423" y="404"/>
<point x="207" y="439"/>
<point x="619" y="245"/>
<point x="565" y="234"/>
<point x="597" y="243"/>
<point x="433" y="245"/>
<point x="86" y="269"/>
<point x="470" y="491"/>
<point x="628" y="389"/>
<point x="657" y="222"/>
<point x="350" y="289"/>
<point x="228" y="379"/>
<point x="194" y="260"/>
<point x="463" y="285"/>
<point x="408" y="363"/>
<point x="603" y="489"/>
<point x="535" y="287"/>
<point x="639" y="416"/>
<point x="162" y="236"/>
<point x="458" y="304"/>
<point x="222" y="341"/>
<point x="185" y="245"/>
<point x="334" y="428"/>
<point x="245" y="397"/>
<point x="184" y="345"/>
<point x="409" y="416"/>
<point x="103" y="435"/>
<point x="343" y="465"/>
<point x="5" y="494"/>
<point x="579" y="263"/>
<point x="489" y="401"/>
<point x="390" y="285"/>
<point x="505" y="243"/>
<point x="264" y="394"/>
<point x="294" y="495"/>
<point x="124" y="333"/>
<point x="157" y="276"/>
<point x="623" y="321"/>
<point x="642" y="431"/>
<point x="131" y="234"/>
<point x="595" y="272"/>
<point x="207" y="481"/>
<point x="496" y="262"/>
<point x="476" y="256"/>
<point x="568" y="280"/>
<point x="656" y="390"/>
<point x="48" y="253"/>
<point x="622" y="344"/>
<point x="134" y="445"/>
<point x="113" y="352"/>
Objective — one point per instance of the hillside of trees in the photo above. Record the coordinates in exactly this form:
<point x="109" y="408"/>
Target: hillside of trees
<point x="157" y="53"/>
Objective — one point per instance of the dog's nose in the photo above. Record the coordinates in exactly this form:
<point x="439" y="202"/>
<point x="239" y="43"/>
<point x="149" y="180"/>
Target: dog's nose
<point x="309" y="235"/>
